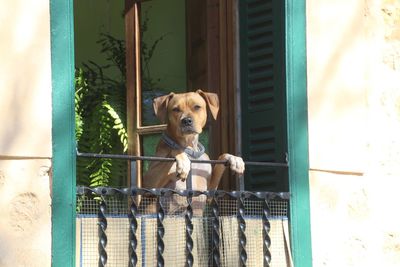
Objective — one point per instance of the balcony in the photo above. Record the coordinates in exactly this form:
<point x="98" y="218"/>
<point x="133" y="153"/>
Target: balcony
<point x="165" y="227"/>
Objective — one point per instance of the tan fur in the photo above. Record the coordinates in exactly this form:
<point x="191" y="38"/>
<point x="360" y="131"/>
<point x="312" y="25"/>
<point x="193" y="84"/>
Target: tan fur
<point x="172" y="109"/>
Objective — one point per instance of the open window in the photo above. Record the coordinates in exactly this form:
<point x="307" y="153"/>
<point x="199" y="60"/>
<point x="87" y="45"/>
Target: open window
<point x="180" y="46"/>
<point x="232" y="48"/>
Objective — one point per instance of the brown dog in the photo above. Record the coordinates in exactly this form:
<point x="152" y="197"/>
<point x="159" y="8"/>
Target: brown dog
<point x="186" y="115"/>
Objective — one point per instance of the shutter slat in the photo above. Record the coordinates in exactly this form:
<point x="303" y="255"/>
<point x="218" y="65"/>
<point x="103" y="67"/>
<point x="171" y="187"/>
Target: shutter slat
<point x="259" y="8"/>
<point x="258" y="32"/>
<point x="264" y="86"/>
<point x="259" y="54"/>
<point x="266" y="62"/>
<point x="260" y="42"/>
<point x="258" y="96"/>
<point x="259" y="77"/>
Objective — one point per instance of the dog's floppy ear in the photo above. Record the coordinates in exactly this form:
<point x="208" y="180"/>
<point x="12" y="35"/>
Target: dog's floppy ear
<point x="160" y="105"/>
<point x="212" y="102"/>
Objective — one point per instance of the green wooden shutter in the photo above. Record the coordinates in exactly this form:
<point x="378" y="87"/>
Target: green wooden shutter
<point x="263" y="92"/>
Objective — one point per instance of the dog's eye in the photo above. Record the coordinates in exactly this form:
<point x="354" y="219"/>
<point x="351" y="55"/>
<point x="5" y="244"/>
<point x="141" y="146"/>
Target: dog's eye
<point x="176" y="109"/>
<point x="197" y="107"/>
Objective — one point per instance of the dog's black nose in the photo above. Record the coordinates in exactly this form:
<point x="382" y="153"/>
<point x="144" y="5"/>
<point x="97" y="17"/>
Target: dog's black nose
<point x="187" y="121"/>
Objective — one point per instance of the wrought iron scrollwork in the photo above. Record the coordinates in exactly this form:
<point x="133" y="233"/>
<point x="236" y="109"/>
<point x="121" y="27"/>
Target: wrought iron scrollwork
<point x="266" y="229"/>
<point x="133" y="225"/>
<point x="213" y="197"/>
<point x="215" y="236"/>
<point x="160" y="229"/>
<point x="242" y="230"/>
<point x="189" y="231"/>
<point x="102" y="232"/>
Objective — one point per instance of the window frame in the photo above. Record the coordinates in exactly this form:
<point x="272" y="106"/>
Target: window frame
<point x="63" y="187"/>
<point x="297" y="130"/>
<point x="134" y="88"/>
<point x="63" y="182"/>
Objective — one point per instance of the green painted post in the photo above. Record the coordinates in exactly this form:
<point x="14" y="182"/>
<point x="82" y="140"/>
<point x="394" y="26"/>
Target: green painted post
<point x="296" y="84"/>
<point x="63" y="133"/>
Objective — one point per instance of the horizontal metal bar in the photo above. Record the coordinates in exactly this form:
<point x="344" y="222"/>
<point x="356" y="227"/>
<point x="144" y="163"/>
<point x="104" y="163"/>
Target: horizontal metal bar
<point x="266" y="164"/>
<point x="133" y="191"/>
<point x="147" y="158"/>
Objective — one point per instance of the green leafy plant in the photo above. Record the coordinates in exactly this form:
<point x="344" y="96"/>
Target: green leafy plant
<point x="100" y="109"/>
<point x="100" y="115"/>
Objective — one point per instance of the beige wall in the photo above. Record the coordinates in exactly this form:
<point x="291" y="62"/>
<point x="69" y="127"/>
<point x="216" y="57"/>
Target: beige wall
<point x="354" y="125"/>
<point x="25" y="135"/>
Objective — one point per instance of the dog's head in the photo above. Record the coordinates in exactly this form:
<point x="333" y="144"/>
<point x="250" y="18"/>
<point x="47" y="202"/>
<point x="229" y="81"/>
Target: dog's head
<point x="186" y="113"/>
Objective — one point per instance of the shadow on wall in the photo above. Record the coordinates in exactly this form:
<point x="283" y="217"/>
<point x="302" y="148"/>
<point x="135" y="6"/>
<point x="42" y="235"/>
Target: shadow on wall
<point x="25" y="116"/>
<point x="339" y="58"/>
<point x="25" y="75"/>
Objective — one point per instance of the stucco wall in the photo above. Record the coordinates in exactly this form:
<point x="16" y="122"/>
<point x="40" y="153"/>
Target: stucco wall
<point x="354" y="125"/>
<point x="25" y="135"/>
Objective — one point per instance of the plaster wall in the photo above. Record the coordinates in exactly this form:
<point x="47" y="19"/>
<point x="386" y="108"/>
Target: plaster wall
<point x="25" y="135"/>
<point x="353" y="54"/>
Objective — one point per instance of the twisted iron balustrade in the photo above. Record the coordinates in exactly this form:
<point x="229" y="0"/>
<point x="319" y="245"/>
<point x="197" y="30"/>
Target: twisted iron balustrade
<point x="242" y="229"/>
<point x="266" y="229"/>
<point x="189" y="230"/>
<point x="133" y="226"/>
<point x="213" y="195"/>
<point x="102" y="232"/>
<point x="215" y="230"/>
<point x="160" y="230"/>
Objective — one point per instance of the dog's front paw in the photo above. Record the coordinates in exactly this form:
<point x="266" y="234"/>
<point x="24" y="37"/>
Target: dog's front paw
<point x="235" y="163"/>
<point x="182" y="166"/>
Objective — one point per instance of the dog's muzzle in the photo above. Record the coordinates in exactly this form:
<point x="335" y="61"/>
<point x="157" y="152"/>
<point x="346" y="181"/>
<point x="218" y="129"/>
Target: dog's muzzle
<point x="187" y="125"/>
<point x="188" y="121"/>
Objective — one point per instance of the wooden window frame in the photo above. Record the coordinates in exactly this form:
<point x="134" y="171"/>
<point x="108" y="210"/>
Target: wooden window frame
<point x="134" y="86"/>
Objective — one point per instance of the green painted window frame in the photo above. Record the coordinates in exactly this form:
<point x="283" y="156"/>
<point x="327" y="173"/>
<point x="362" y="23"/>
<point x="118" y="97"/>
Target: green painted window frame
<point x="297" y="130"/>
<point x="63" y="132"/>
<point x="63" y="188"/>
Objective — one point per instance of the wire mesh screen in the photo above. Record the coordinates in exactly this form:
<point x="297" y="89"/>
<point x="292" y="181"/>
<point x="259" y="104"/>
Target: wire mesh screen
<point x="170" y="215"/>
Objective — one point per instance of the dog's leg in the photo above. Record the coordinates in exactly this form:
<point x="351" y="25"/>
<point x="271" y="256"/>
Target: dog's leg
<point x="158" y="175"/>
<point x="182" y="165"/>
<point x="236" y="164"/>
<point x="162" y="173"/>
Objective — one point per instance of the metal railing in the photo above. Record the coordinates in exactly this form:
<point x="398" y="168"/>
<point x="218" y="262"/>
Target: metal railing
<point x="211" y="200"/>
<point x="134" y="159"/>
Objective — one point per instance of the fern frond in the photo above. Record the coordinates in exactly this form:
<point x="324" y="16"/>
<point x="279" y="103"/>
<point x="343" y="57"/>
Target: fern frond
<point x="118" y="125"/>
